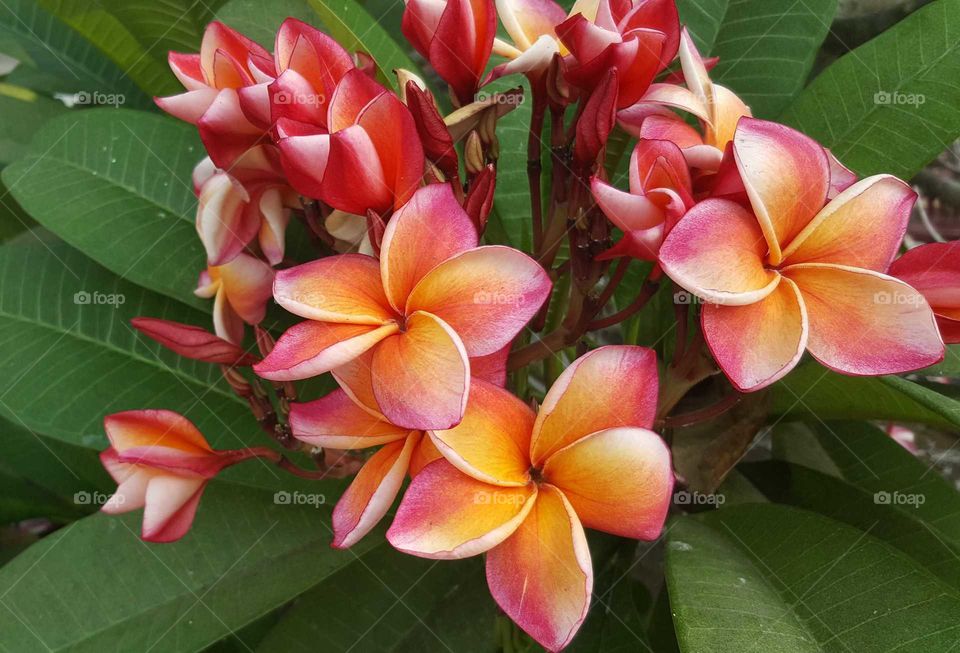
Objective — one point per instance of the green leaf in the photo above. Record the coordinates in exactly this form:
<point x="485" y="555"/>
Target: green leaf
<point x="372" y="604"/>
<point x="22" y="113"/>
<point x="774" y="578"/>
<point x="703" y="18"/>
<point x="244" y="556"/>
<point x="260" y="19"/>
<point x="355" y="29"/>
<point x="144" y="64"/>
<point x="511" y="203"/>
<point x="163" y="26"/>
<point x="891" y="104"/>
<point x="767" y="48"/>
<point x="116" y="185"/>
<point x="814" y="390"/>
<point x="901" y="525"/>
<point x="62" y="60"/>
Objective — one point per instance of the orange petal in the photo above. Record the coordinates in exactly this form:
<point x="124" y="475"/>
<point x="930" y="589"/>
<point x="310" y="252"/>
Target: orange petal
<point x="492" y="443"/>
<point x="446" y="514"/>
<point x="716" y="252"/>
<point x="862" y="227"/>
<point x="421" y="377"/>
<point x="356" y="380"/>
<point x="312" y="348"/>
<point x="425" y="453"/>
<point x="608" y="387"/>
<point x="542" y="576"/>
<point x="345" y="288"/>
<point x="372" y="492"/>
<point x="758" y="344"/>
<point x="336" y="421"/>
<point x="619" y="481"/>
<point x="866" y="323"/>
<point x="429" y="229"/>
<point x="727" y="110"/>
<point x="154" y="428"/>
<point x="787" y="176"/>
<point x="485" y="294"/>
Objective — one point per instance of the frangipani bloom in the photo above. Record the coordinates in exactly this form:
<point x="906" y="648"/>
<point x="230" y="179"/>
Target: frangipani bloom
<point x="433" y="300"/>
<point x="229" y="65"/>
<point x="365" y="155"/>
<point x="638" y="39"/>
<point x="456" y="37"/>
<point x="718" y="108"/>
<point x="660" y="193"/>
<point x="241" y="290"/>
<point x="796" y="275"/>
<point x="934" y="270"/>
<point x="520" y="487"/>
<point x="162" y="463"/>
<point x="251" y="200"/>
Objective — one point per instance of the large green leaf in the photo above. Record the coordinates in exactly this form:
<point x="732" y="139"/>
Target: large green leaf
<point x="355" y="29"/>
<point x="116" y="185"/>
<point x="511" y="203"/>
<point x="245" y="555"/>
<point x="765" y="577"/>
<point x="891" y="104"/>
<point x="22" y="113"/>
<point x="260" y="19"/>
<point x="812" y="390"/>
<point x="163" y="26"/>
<point x="61" y="60"/>
<point x="767" y="48"/>
<point x="703" y="18"/>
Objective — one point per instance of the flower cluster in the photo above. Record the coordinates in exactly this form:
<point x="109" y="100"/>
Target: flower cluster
<point x="418" y="321"/>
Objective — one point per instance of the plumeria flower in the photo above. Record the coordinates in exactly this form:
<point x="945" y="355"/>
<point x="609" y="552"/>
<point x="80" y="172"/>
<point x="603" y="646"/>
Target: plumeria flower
<point x="521" y="486"/>
<point x="638" y="39"/>
<point x="365" y="155"/>
<point x="228" y="67"/>
<point x="934" y="270"/>
<point x="162" y="463"/>
<point x="456" y="37"/>
<point x="241" y="290"/>
<point x="531" y="25"/>
<point x="796" y="275"/>
<point x="250" y="201"/>
<point x="718" y="108"/>
<point x="660" y="194"/>
<point x="433" y="300"/>
<point x="351" y="419"/>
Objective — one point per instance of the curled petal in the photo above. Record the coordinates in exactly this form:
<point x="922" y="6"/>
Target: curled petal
<point x="345" y="289"/>
<point x="527" y="21"/>
<point x="862" y="227"/>
<point x="170" y="506"/>
<point x="311" y="348"/>
<point x="461" y="46"/>
<point x="447" y="515"/>
<point x="759" y="343"/>
<point x="186" y="68"/>
<point x="338" y="422"/>
<point x="492" y="443"/>
<point x="312" y="54"/>
<point x="727" y="109"/>
<point x="786" y="175"/>
<point x="485" y="294"/>
<point x="841" y="177"/>
<point x="223" y="223"/>
<point x="716" y="252"/>
<point x="628" y="211"/>
<point x="606" y="388"/>
<point x="154" y="428"/>
<point x="619" y="481"/>
<point x="534" y="59"/>
<point x="934" y="270"/>
<point x="225" y="130"/>
<point x="372" y="492"/>
<point x="542" y="576"/>
<point x="421" y="377"/>
<point x="865" y="323"/>
<point x="193" y="342"/>
<point x="406" y="256"/>
<point x="247" y="283"/>
<point x="189" y="106"/>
